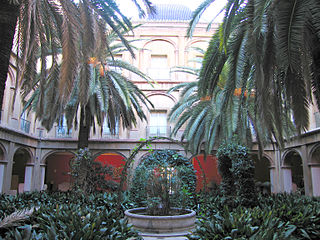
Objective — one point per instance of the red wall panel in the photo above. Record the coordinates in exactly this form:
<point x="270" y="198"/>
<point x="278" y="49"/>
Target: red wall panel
<point x="115" y="160"/>
<point x="210" y="167"/>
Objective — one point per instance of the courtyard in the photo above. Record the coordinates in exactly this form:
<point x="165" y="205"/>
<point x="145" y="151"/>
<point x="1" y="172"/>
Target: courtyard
<point x="102" y="114"/>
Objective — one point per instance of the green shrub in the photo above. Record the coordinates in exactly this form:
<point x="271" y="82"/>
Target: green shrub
<point x="280" y="216"/>
<point x="66" y="216"/>
<point x="163" y="180"/>
<point x="88" y="176"/>
<point x="237" y="172"/>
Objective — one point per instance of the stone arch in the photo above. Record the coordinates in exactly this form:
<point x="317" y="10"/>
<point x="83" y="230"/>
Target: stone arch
<point x="48" y="153"/>
<point x="138" y="158"/>
<point x="162" y="101"/>
<point x="210" y="168"/>
<point x="55" y="171"/>
<point x="144" y="153"/>
<point x="136" y="154"/>
<point x="195" y="42"/>
<point x="264" y="173"/>
<point x="175" y="46"/>
<point x="3" y="153"/>
<point x="142" y="156"/>
<point x="292" y="171"/>
<point x="174" y="99"/>
<point x="314" y="164"/>
<point x="314" y="152"/>
<point x="22" y="170"/>
<point x="27" y="151"/>
<point x="287" y="153"/>
<point x="113" y="159"/>
<point x="267" y="157"/>
<point x="192" y="54"/>
<point x="159" y="55"/>
<point x="109" y="151"/>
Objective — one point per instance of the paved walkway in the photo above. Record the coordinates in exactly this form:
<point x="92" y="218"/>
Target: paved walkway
<point x="172" y="238"/>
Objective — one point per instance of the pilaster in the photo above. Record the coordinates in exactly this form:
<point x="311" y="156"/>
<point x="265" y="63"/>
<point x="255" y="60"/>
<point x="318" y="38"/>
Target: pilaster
<point x="3" y="166"/>
<point x="8" y="173"/>
<point x="306" y="171"/>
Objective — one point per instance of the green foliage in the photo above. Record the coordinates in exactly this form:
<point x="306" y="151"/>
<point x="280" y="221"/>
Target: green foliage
<point x="272" y="50"/>
<point x="163" y="180"/>
<point x="88" y="175"/>
<point x="237" y="171"/>
<point x="143" y="143"/>
<point x="67" y="216"/>
<point x="210" y="119"/>
<point x="279" y="216"/>
<point x="100" y="90"/>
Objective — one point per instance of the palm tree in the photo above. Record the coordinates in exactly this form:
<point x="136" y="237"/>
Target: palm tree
<point x="110" y="94"/>
<point x="206" y="123"/>
<point x="8" y="19"/>
<point x="273" y="49"/>
<point x="49" y="28"/>
<point x="211" y="119"/>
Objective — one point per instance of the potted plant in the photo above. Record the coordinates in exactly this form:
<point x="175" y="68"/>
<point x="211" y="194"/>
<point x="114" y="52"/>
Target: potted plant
<point x="164" y="183"/>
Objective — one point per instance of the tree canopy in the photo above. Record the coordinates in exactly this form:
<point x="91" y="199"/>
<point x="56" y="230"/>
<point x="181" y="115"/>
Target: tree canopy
<point x="272" y="51"/>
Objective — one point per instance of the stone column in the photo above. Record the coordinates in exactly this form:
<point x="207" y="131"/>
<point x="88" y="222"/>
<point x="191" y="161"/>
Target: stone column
<point x="28" y="177"/>
<point x="36" y="183"/>
<point x="306" y="171"/>
<point x="287" y="178"/>
<point x="272" y="172"/>
<point x="185" y="62"/>
<point x="8" y="173"/>
<point x="42" y="176"/>
<point x="278" y="178"/>
<point x="3" y="166"/>
<point x="315" y="176"/>
<point x="141" y="64"/>
<point x="176" y="57"/>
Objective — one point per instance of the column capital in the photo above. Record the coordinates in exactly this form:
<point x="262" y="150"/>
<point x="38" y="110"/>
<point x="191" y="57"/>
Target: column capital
<point x="286" y="167"/>
<point x="312" y="164"/>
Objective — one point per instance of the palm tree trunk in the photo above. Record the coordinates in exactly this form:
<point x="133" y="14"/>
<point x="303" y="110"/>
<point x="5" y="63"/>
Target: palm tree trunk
<point x="85" y="126"/>
<point x="8" y="21"/>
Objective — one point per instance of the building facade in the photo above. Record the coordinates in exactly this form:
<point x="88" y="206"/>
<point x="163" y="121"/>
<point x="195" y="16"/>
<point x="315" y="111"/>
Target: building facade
<point x="32" y="158"/>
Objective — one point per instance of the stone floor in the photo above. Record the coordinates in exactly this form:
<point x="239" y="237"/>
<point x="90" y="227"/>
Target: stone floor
<point x="172" y="238"/>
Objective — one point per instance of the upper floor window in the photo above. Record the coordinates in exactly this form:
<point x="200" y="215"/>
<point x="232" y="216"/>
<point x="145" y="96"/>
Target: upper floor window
<point x="24" y="123"/>
<point x="159" y="67"/>
<point x="158" y="124"/>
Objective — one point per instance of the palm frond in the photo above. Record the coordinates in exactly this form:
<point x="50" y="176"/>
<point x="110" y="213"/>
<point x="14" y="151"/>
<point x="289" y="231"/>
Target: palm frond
<point x="15" y="218"/>
<point x="196" y="15"/>
<point x="290" y="17"/>
<point x="70" y="36"/>
<point x="188" y="70"/>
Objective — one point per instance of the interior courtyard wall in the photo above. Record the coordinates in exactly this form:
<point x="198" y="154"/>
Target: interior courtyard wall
<point x="158" y="38"/>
